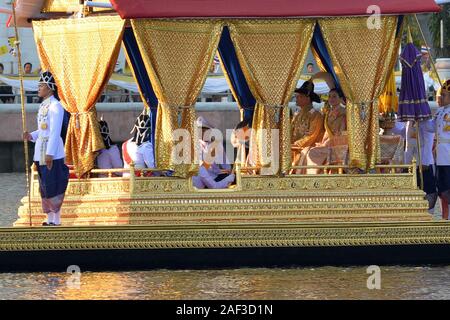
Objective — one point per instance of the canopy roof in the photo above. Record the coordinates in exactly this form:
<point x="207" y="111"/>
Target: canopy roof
<point x="266" y="8"/>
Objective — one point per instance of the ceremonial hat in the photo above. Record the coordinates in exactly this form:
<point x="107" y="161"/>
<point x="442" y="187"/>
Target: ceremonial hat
<point x="203" y="123"/>
<point x="142" y="128"/>
<point x="47" y="78"/>
<point x="307" y="89"/>
<point x="446" y="86"/>
<point x="104" y="130"/>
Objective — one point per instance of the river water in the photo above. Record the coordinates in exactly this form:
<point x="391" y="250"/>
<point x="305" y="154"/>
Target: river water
<point x="395" y="282"/>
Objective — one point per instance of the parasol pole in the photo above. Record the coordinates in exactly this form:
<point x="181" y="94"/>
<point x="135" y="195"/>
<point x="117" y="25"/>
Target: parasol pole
<point x="419" y="154"/>
<point x="440" y="83"/>
<point x="24" y="116"/>
<point x="428" y="50"/>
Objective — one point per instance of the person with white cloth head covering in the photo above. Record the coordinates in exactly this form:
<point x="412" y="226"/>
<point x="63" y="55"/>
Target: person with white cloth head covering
<point x="210" y="175"/>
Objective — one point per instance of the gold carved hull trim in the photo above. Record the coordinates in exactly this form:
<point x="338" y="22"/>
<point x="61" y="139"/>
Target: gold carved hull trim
<point x="225" y="236"/>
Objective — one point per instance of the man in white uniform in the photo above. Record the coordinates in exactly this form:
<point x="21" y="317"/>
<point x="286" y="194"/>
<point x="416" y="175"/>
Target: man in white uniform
<point x="426" y="144"/>
<point x="49" y="151"/>
<point x="240" y="140"/>
<point x="139" y="149"/>
<point x="440" y="125"/>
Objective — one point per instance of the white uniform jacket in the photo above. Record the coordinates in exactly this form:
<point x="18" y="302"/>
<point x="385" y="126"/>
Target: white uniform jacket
<point x="142" y="155"/>
<point x="48" y="135"/>
<point x="426" y="143"/>
<point x="441" y="126"/>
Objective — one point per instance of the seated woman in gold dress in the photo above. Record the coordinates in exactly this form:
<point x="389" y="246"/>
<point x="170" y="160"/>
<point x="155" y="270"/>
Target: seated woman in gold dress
<point x="335" y="125"/>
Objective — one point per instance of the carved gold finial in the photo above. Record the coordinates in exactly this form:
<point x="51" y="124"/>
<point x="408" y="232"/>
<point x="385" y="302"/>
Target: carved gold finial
<point x="132" y="177"/>
<point x="414" y="172"/>
<point x="410" y="38"/>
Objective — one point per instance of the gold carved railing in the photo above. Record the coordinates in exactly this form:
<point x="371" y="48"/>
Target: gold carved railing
<point x="388" y="193"/>
<point x="135" y="176"/>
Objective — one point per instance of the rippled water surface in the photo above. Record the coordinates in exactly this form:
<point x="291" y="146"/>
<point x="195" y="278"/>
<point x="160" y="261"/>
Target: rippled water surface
<point x="422" y="282"/>
<point x="316" y="283"/>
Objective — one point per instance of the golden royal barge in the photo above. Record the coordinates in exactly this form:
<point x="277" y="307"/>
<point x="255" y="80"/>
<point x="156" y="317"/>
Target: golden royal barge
<point x="375" y="215"/>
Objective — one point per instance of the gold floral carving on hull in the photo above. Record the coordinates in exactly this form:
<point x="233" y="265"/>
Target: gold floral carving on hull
<point x="225" y="236"/>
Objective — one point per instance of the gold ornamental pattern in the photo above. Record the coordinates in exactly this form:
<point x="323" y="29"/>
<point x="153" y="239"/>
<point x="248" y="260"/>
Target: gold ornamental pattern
<point x="363" y="75"/>
<point x="226" y="236"/>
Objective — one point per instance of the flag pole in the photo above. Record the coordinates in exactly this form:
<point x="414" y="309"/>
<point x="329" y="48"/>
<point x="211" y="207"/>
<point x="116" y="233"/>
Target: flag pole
<point x="419" y="155"/>
<point x="24" y="115"/>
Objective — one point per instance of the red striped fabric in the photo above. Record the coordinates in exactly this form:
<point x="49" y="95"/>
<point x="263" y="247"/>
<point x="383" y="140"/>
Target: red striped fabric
<point x="266" y="8"/>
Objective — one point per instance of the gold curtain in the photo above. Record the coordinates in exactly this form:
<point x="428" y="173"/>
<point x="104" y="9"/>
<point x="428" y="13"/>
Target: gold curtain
<point x="363" y="59"/>
<point x="177" y="55"/>
<point x="388" y="101"/>
<point x="271" y="54"/>
<point x="81" y="54"/>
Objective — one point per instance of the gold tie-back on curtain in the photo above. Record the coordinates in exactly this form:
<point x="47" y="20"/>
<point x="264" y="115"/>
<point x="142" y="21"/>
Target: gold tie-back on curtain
<point x="363" y="58"/>
<point x="388" y="101"/>
<point x="271" y="54"/>
<point x="177" y="56"/>
<point x="81" y="54"/>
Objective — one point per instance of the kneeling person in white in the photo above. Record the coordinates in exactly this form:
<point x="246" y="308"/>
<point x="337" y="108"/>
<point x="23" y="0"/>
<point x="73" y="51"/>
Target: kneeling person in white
<point x="210" y="173"/>
<point x="206" y="178"/>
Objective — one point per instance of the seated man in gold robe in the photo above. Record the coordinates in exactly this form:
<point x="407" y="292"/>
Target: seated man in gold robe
<point x="307" y="125"/>
<point x="335" y="125"/>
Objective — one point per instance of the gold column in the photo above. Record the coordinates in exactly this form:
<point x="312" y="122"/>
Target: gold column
<point x="271" y="53"/>
<point x="363" y="59"/>
<point x="81" y="54"/>
<point x="177" y="55"/>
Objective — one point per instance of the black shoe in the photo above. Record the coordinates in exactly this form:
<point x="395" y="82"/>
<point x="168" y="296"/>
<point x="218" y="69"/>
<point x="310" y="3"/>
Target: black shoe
<point x="51" y="224"/>
<point x="45" y="224"/>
